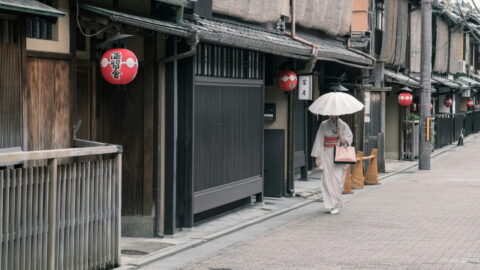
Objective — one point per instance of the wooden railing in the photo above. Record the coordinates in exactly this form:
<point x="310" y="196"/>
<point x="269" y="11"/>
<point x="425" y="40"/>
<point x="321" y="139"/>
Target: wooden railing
<point x="61" y="216"/>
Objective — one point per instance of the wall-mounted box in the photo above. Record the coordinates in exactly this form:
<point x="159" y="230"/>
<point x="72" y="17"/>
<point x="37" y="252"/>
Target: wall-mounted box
<point x="270" y="113"/>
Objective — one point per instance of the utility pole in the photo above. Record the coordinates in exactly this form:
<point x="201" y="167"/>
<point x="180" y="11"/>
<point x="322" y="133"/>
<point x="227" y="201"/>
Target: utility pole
<point x="426" y="74"/>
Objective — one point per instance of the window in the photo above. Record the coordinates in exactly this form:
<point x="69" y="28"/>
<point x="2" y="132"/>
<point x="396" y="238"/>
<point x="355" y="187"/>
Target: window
<point x="40" y="28"/>
<point x="228" y="62"/>
<point x="8" y="31"/>
<point x="379" y="16"/>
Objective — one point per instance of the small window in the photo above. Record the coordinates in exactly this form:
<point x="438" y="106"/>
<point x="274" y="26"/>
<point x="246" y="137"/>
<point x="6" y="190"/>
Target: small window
<point x="40" y="28"/>
<point x="8" y="31"/>
<point x="379" y="18"/>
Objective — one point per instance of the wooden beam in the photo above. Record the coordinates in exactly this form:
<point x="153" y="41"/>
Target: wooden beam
<point x="377" y="89"/>
<point x="59" y="153"/>
<point x="86" y="143"/>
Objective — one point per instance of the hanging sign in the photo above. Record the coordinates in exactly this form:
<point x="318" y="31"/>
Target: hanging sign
<point x="305" y="87"/>
<point x="119" y="66"/>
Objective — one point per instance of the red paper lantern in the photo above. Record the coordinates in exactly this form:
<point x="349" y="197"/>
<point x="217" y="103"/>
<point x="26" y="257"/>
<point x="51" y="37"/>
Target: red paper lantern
<point x="288" y="80"/>
<point x="448" y="102"/>
<point x="470" y="103"/>
<point x="405" y="99"/>
<point x="119" y="66"/>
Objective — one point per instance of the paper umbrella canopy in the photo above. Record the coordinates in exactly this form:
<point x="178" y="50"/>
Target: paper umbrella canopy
<point x="335" y="103"/>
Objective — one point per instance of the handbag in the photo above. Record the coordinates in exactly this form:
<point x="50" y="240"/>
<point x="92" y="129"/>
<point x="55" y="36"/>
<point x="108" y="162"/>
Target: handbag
<point x="345" y="154"/>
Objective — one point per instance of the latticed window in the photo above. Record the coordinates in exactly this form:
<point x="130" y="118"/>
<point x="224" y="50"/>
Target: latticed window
<point x="8" y="31"/>
<point x="228" y="62"/>
<point x="38" y="27"/>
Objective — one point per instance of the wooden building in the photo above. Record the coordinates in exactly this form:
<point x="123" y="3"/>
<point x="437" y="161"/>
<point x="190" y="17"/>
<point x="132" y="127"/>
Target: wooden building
<point x="192" y="122"/>
<point x="31" y="76"/>
<point x="193" y="119"/>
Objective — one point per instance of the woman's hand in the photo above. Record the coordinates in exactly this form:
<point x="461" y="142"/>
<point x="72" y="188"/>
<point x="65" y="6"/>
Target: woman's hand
<point x="317" y="161"/>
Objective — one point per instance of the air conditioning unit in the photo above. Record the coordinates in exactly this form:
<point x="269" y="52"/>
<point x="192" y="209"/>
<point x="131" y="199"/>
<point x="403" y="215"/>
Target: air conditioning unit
<point x="462" y="67"/>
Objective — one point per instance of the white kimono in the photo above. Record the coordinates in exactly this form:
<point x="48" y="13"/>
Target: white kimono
<point x="333" y="174"/>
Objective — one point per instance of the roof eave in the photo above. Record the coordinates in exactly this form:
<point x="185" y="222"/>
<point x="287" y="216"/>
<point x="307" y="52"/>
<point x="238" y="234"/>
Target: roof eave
<point x="32" y="11"/>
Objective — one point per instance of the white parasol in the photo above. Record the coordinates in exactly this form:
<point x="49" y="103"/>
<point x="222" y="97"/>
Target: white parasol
<point x="336" y="103"/>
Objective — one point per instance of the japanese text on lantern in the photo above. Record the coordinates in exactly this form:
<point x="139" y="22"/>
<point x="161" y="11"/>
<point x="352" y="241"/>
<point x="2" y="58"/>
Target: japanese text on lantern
<point x="115" y="61"/>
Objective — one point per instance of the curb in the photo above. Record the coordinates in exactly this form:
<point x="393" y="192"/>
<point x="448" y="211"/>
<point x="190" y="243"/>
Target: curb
<point x="156" y="256"/>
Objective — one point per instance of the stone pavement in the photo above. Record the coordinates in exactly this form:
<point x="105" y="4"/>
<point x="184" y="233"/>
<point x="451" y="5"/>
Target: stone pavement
<point x="139" y="251"/>
<point x="413" y="220"/>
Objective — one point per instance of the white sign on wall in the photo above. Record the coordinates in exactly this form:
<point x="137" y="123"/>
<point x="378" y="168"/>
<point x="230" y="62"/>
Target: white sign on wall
<point x="305" y="87"/>
<point x="367" y="103"/>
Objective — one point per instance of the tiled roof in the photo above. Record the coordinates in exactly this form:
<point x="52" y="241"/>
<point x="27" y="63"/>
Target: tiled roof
<point x="401" y="79"/>
<point x="468" y="81"/>
<point x="448" y="82"/>
<point x="143" y="22"/>
<point x="271" y="41"/>
<point x="241" y="35"/>
<point x="30" y="7"/>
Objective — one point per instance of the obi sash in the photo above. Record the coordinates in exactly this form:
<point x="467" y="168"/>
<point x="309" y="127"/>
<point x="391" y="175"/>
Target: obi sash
<point x="330" y="142"/>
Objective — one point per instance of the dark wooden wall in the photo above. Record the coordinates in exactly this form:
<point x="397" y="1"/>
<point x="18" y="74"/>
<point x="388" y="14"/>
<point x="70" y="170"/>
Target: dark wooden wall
<point x="122" y="115"/>
<point x="120" y="121"/>
<point x="228" y="135"/>
<point x="85" y="102"/>
<point x="49" y="102"/>
<point x="12" y="87"/>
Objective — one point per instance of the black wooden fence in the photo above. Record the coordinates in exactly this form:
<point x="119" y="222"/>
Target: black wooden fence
<point x="448" y="127"/>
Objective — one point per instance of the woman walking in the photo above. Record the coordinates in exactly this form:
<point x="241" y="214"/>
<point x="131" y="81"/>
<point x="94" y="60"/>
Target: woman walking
<point x="331" y="133"/>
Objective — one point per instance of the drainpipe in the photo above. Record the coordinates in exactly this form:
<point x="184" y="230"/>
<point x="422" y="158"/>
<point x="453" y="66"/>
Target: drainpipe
<point x="311" y="63"/>
<point x="360" y="52"/>
<point x="193" y="42"/>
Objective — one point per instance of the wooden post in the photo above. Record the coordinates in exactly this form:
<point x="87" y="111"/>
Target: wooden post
<point x="118" y="179"/>
<point x="381" y="152"/>
<point x="52" y="208"/>
<point x="347" y="186"/>
<point x="371" y="176"/>
<point x="358" y="179"/>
